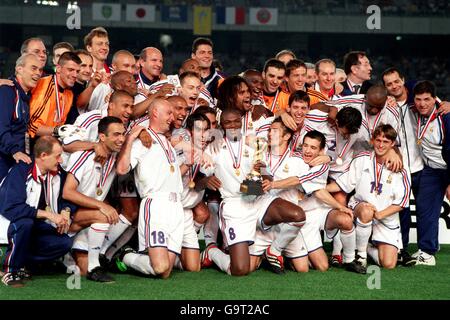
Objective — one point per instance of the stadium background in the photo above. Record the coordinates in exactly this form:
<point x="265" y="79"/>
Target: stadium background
<point x="411" y="37"/>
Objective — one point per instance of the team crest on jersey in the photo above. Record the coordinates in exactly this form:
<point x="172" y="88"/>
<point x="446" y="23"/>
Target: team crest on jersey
<point x="246" y="153"/>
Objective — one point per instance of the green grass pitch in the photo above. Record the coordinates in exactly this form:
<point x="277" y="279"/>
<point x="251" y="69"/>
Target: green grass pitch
<point x="420" y="282"/>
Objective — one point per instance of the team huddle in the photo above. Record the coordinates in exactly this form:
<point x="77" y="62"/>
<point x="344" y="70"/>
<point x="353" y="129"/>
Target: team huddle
<point x="92" y="154"/>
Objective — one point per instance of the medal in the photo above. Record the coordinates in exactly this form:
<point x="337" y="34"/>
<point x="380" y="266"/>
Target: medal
<point x="167" y="149"/>
<point x="377" y="176"/>
<point x="274" y="167"/>
<point x="274" y="105"/>
<point x="389" y="179"/>
<point x="191" y="184"/>
<point x="340" y="155"/>
<point x="99" y="191"/>
<point x="48" y="209"/>
<point x="104" y="173"/>
<point x="420" y="133"/>
<point x="236" y="159"/>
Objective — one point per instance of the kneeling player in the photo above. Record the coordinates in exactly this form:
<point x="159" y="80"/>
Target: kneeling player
<point x="294" y="172"/>
<point x="240" y="214"/>
<point x="379" y="196"/>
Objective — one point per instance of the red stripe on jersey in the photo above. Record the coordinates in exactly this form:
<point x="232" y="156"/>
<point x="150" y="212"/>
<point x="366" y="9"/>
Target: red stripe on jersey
<point x="80" y="161"/>
<point x="313" y="175"/>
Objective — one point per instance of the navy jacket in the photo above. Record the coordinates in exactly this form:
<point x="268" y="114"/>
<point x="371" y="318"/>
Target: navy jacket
<point x="14" y="117"/>
<point x="13" y="193"/>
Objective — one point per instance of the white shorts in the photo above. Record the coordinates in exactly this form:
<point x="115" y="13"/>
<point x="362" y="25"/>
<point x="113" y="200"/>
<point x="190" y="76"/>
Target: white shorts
<point x="239" y="218"/>
<point x="263" y="240"/>
<point x="80" y="240"/>
<point x="161" y="222"/>
<point x="190" y="238"/>
<point x="124" y="186"/>
<point x="381" y="233"/>
<point x="316" y="220"/>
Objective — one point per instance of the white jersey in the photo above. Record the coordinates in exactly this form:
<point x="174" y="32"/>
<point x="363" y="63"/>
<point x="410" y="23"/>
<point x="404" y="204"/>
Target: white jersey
<point x="232" y="162"/>
<point x="412" y="156"/>
<point x="98" y="97"/>
<point x="336" y="146"/>
<point x="375" y="184"/>
<point x="94" y="180"/>
<point x="387" y="115"/>
<point x="259" y="127"/>
<point x="430" y="137"/>
<point x="311" y="179"/>
<point x="156" y="167"/>
<point x="89" y="122"/>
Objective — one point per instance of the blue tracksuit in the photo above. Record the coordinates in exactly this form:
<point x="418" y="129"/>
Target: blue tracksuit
<point x="14" y="117"/>
<point x="31" y="240"/>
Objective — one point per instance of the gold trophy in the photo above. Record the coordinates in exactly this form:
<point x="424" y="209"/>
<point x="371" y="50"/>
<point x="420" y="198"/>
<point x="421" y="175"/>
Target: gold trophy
<point x="252" y="185"/>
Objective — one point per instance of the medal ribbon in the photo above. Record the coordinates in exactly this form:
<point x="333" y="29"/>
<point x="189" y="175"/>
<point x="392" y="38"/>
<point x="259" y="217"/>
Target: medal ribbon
<point x="106" y="170"/>
<point x="420" y="133"/>
<point x="236" y="160"/>
<point x="344" y="149"/>
<point x="166" y="148"/>
<point x="46" y="184"/>
<point x="193" y="172"/>
<point x="274" y="102"/>
<point x="377" y="175"/>
<point x="59" y="106"/>
<point x="377" y="119"/>
<point x="280" y="161"/>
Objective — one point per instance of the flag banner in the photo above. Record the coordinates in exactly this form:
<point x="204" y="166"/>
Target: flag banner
<point x="141" y="13"/>
<point x="264" y="16"/>
<point x="230" y="15"/>
<point x="202" y="20"/>
<point x="174" y="13"/>
<point x="106" y="11"/>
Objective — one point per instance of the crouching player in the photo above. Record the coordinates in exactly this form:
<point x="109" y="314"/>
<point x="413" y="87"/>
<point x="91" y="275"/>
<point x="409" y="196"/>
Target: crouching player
<point x="379" y="196"/>
<point x="307" y="173"/>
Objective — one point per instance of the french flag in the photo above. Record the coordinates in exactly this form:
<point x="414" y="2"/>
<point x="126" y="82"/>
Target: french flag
<point x="230" y="15"/>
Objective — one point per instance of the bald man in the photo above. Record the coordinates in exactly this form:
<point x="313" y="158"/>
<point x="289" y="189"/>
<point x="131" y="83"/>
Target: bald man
<point x="161" y="216"/>
<point x="375" y="111"/>
<point x="151" y="62"/>
<point x="122" y="60"/>
<point x="190" y="65"/>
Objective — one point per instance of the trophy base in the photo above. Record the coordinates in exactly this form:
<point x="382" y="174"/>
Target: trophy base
<point x="251" y="187"/>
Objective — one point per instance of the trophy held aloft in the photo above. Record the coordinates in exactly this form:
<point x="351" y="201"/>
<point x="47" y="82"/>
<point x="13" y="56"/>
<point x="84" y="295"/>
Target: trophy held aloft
<point x="252" y="185"/>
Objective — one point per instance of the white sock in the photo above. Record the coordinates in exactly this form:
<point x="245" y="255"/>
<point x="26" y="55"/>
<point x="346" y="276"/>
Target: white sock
<point x="96" y="236"/>
<point x="348" y="240"/>
<point x="363" y="232"/>
<point x="222" y="260"/>
<point x="120" y="242"/>
<point x="114" y="232"/>
<point x="372" y="251"/>
<point x="198" y="226"/>
<point x="337" y="245"/>
<point x="177" y="264"/>
<point x="139" y="262"/>
<point x="211" y="228"/>
<point x="288" y="232"/>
